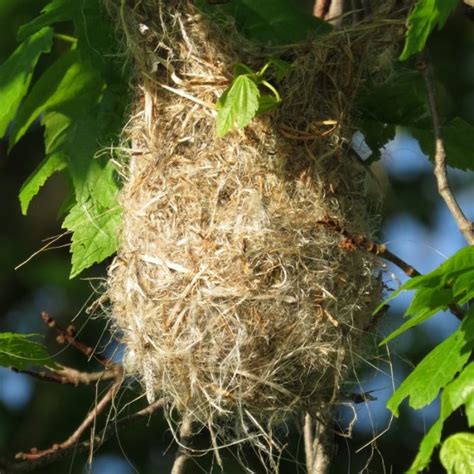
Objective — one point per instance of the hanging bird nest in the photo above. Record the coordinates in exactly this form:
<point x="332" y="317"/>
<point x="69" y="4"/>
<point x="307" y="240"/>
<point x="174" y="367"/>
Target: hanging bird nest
<point x="233" y="302"/>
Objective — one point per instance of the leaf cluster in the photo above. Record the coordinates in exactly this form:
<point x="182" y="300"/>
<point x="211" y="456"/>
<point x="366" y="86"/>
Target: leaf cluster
<point x="80" y="100"/>
<point x="444" y="368"/>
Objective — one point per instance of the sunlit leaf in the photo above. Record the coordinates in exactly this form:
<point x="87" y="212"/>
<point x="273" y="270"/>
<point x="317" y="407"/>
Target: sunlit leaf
<point x="460" y="391"/>
<point x="17" y="71"/>
<point x="424" y="18"/>
<point x="457" y="453"/>
<point x="94" y="234"/>
<point x="238" y="105"/>
<point x="437" y="369"/>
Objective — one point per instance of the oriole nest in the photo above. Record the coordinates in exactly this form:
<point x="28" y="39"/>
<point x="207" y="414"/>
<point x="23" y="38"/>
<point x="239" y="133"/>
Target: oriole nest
<point x="233" y="301"/>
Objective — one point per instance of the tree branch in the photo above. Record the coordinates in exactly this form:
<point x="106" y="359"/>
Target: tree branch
<point x="352" y="242"/>
<point x="318" y="440"/>
<point x="183" y="453"/>
<point x="308" y="434"/>
<point x="69" y="336"/>
<point x="34" y="454"/>
<point x="28" y="466"/>
<point x="356" y="241"/>
<point x="67" y="375"/>
<point x="440" y="172"/>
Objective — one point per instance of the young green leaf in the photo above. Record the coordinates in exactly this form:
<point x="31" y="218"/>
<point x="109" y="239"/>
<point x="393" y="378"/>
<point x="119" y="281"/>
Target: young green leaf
<point x="238" y="105"/>
<point x="457" y="453"/>
<point x="18" y="350"/>
<point x="241" y="69"/>
<point x="16" y="73"/>
<point x="433" y="291"/>
<point x="425" y="17"/>
<point x="437" y="369"/>
<point x="50" y="165"/>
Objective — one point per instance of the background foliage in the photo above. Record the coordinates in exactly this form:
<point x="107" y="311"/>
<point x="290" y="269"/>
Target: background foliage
<point x="63" y="83"/>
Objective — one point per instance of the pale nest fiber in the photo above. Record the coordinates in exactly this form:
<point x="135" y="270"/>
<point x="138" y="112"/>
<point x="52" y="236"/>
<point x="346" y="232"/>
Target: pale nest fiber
<point x="233" y="301"/>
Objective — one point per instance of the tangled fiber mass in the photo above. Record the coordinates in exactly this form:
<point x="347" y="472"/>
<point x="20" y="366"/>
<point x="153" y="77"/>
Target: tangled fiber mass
<point x="233" y="301"/>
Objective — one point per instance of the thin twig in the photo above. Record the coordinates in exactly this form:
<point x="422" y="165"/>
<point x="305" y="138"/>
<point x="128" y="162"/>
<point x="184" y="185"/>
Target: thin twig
<point x="35" y="454"/>
<point x="440" y="171"/>
<point x="356" y="241"/>
<point x="183" y="453"/>
<point x="69" y="336"/>
<point x="107" y="433"/>
<point x="69" y="376"/>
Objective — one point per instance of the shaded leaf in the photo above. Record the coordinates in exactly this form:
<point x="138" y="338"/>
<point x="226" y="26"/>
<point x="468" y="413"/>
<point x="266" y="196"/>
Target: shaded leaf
<point x="97" y="43"/>
<point x="54" y="12"/>
<point x="66" y="80"/>
<point x="50" y="165"/>
<point x="20" y="351"/>
<point x="401" y="100"/>
<point x="463" y="288"/>
<point x="238" y="105"/>
<point x="76" y="138"/>
<point x="376" y="135"/>
<point x="427" y="446"/>
<point x="424" y="18"/>
<point x="270" y="21"/>
<point x="16" y="73"/>
<point x="267" y="103"/>
<point x="280" y="68"/>
<point x="458" y="137"/>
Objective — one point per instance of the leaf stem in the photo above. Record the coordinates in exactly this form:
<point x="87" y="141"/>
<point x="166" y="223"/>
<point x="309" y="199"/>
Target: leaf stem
<point x="272" y="89"/>
<point x="67" y="38"/>
<point x="440" y="169"/>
